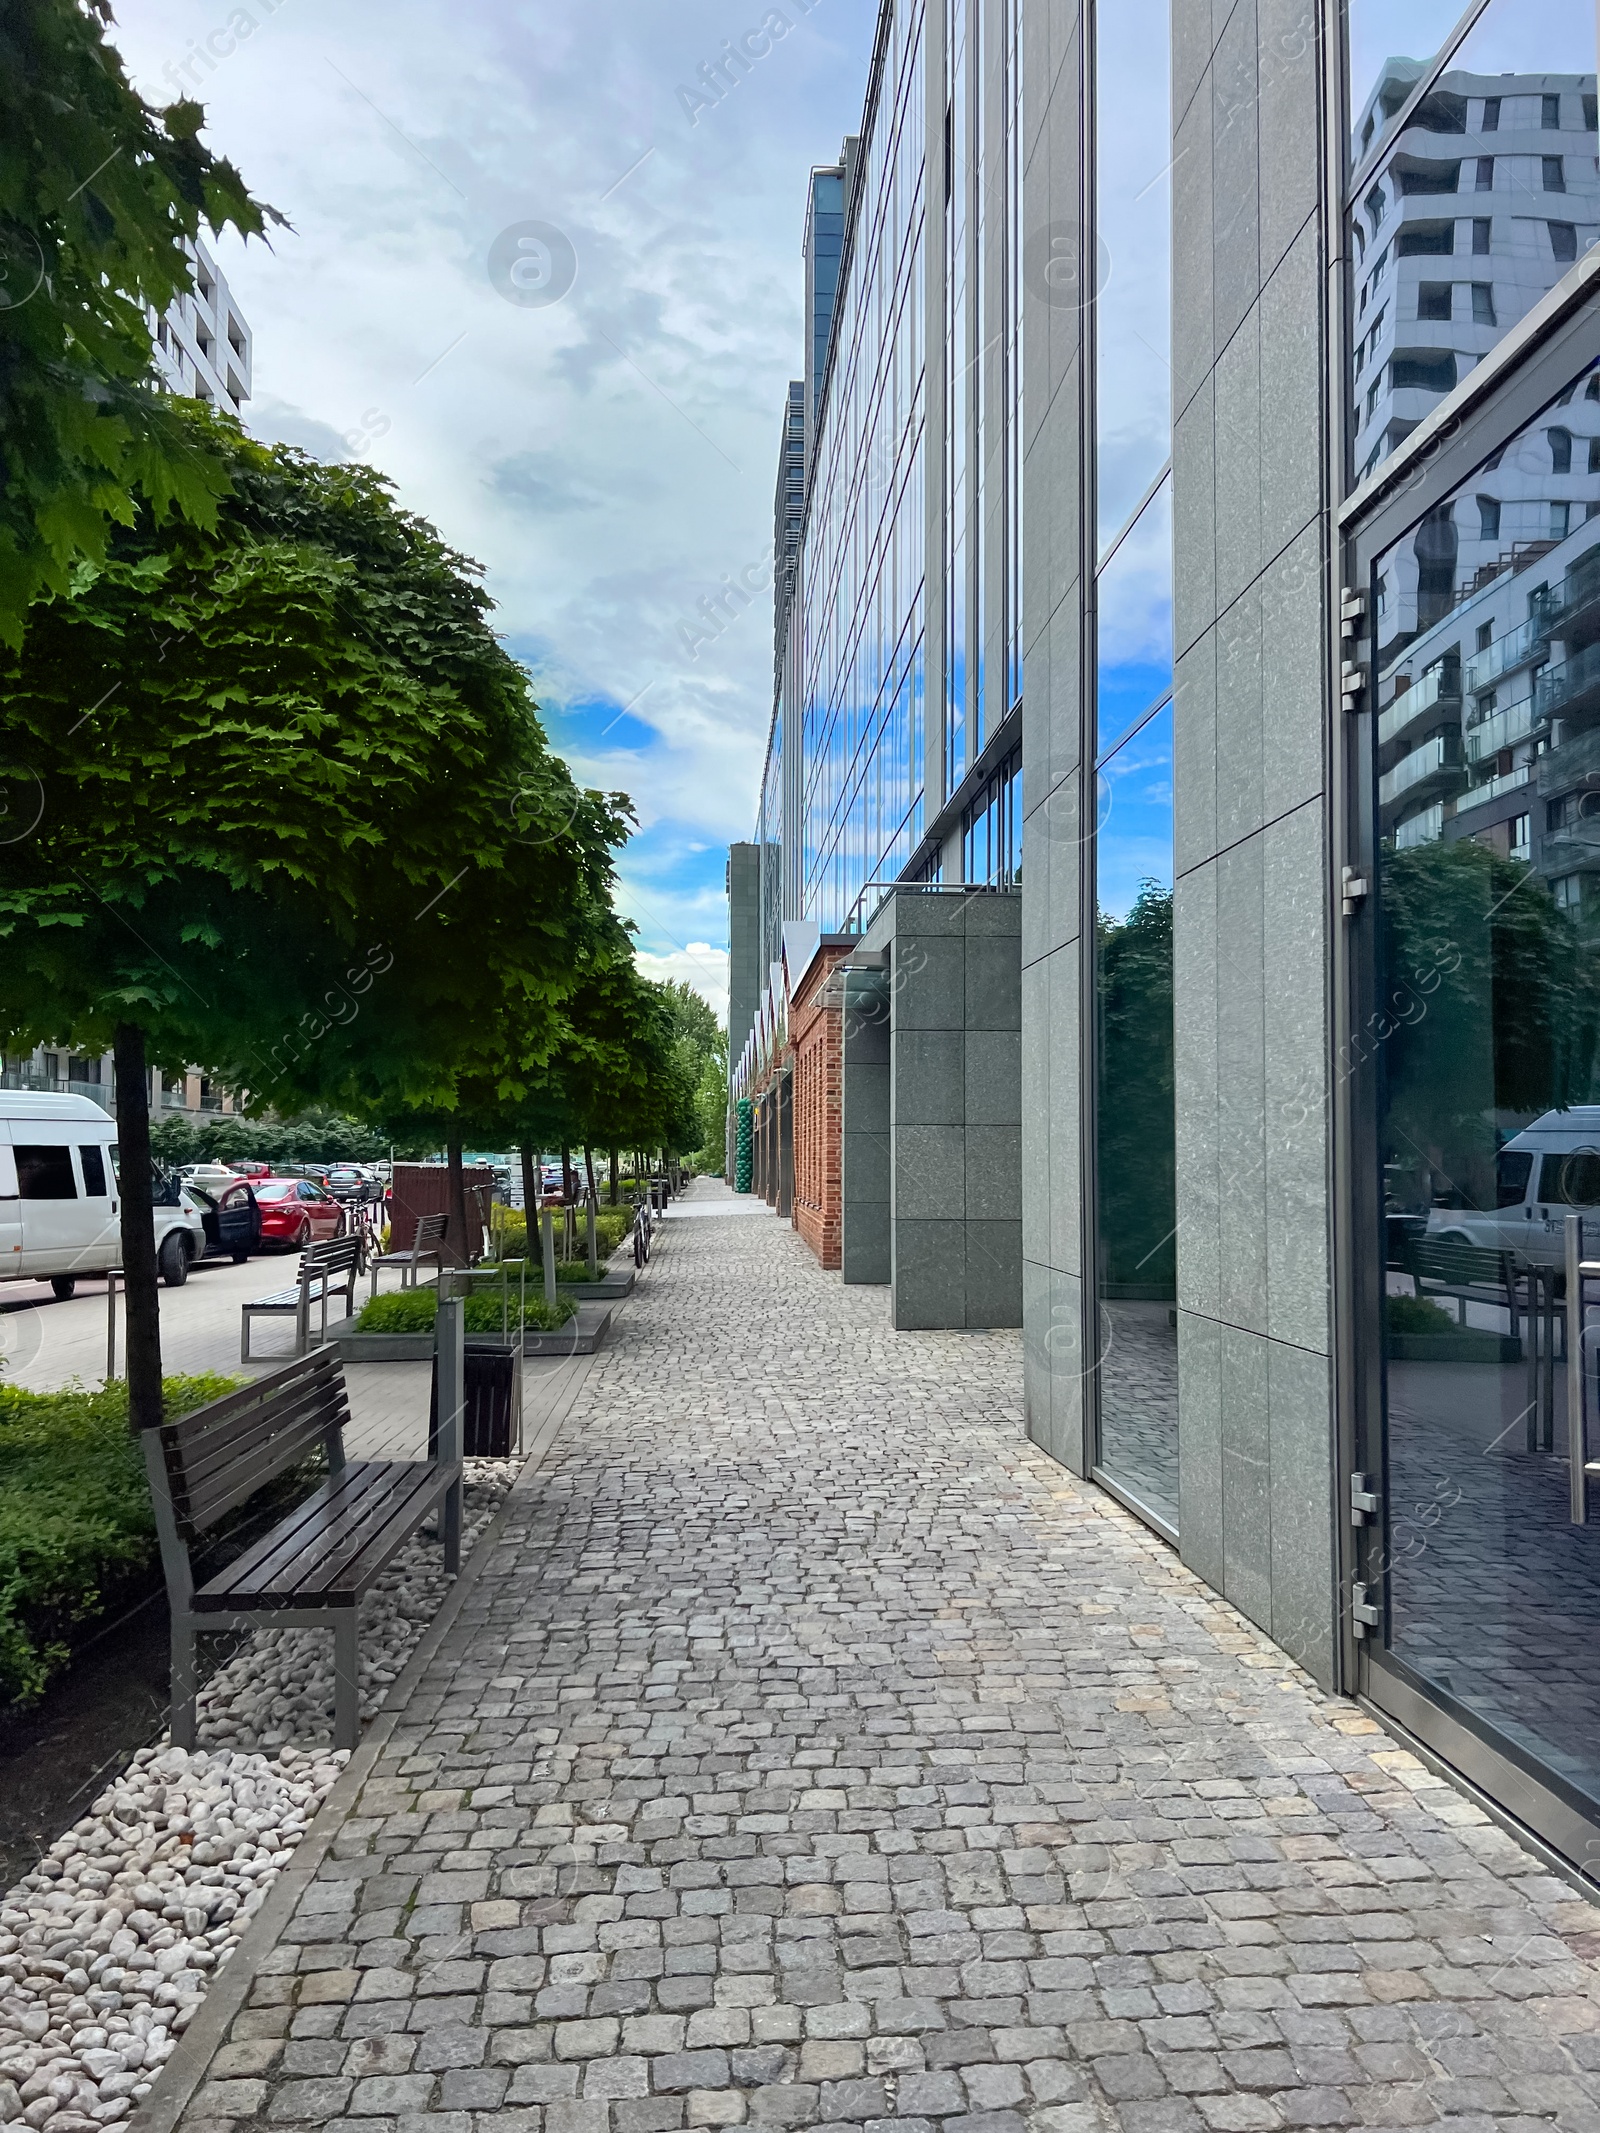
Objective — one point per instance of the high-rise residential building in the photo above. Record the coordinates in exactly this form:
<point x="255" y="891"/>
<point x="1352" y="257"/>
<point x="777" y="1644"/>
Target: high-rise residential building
<point x="202" y="343"/>
<point x="1210" y="425"/>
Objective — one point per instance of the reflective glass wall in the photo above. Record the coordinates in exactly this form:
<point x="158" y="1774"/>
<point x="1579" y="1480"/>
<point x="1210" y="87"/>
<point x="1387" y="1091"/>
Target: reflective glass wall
<point x="1135" y="1138"/>
<point x="856" y="705"/>
<point x="1484" y="1570"/>
<point x="1473" y="190"/>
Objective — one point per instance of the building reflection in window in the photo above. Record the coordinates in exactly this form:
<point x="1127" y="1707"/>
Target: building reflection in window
<point x="1135" y="1133"/>
<point x="1474" y="187"/>
<point x="1487" y="648"/>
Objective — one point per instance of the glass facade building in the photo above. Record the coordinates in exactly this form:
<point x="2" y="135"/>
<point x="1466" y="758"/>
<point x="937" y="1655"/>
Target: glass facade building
<point x="1234" y="374"/>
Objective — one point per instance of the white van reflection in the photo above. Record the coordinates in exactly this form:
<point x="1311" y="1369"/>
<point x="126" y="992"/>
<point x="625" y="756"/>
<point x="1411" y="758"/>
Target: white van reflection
<point x="1544" y="1173"/>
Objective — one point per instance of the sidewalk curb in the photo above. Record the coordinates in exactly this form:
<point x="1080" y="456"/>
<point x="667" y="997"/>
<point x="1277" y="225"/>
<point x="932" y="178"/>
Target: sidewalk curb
<point x="198" y="2046"/>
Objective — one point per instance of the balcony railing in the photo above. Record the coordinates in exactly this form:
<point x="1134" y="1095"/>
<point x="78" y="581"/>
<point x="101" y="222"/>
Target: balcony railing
<point x="1490" y="735"/>
<point x="1517" y="648"/>
<point x="55" y="1085"/>
<point x="1559" y="688"/>
<point x="1436" y="758"/>
<point x="1481" y="795"/>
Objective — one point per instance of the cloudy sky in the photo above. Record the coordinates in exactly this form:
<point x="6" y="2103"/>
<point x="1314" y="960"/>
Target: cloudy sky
<point x="608" y="453"/>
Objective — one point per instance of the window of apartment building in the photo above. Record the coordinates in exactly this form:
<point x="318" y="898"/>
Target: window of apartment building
<point x="1560" y="443"/>
<point x="991" y="829"/>
<point x="1433" y="299"/>
<point x="1563" y="241"/>
<point x="1482" y="244"/>
<point x="1485" y="176"/>
<point x="1483" y="303"/>
<point x="1554" y="176"/>
<point x="1550" y="114"/>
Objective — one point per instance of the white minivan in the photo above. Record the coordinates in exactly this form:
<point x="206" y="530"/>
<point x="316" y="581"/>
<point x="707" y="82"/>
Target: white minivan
<point x="1544" y="1173"/>
<point x="59" y="1203"/>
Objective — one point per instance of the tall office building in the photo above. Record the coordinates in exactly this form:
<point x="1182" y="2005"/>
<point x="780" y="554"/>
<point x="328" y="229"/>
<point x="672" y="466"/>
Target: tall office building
<point x="1233" y="378"/>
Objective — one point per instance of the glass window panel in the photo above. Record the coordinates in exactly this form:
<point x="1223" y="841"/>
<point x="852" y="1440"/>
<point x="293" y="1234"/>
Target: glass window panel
<point x="1136" y="1134"/>
<point x="1488" y="792"/>
<point x="1511" y="125"/>
<point x="1134" y="623"/>
<point x="1133" y="207"/>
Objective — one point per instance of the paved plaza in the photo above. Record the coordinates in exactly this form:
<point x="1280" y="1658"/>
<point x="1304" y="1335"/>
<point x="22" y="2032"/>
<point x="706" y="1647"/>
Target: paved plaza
<point x="813" y="1751"/>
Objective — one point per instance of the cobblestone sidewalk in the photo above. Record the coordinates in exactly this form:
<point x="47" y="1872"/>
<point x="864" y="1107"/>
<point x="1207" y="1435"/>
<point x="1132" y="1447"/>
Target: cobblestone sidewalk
<point x="816" y="1753"/>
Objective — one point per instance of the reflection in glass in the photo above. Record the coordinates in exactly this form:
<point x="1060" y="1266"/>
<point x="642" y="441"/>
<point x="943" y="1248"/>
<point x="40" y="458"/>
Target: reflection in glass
<point x="1133" y="206"/>
<point x="1380" y="78"/>
<point x="1134" y="622"/>
<point x="1488" y="663"/>
<point x="1477" y="205"/>
<point x="1136" y="1137"/>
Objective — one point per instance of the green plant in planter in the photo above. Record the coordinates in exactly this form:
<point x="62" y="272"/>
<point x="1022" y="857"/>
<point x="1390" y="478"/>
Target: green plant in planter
<point x="414" y="1311"/>
<point x="75" y="1516"/>
<point x="1416" y="1314"/>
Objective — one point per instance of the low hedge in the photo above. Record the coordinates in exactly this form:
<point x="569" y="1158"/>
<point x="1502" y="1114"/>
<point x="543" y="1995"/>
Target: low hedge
<point x="414" y="1311"/>
<point x="1416" y="1314"/>
<point x="611" y="1225"/>
<point x="75" y="1517"/>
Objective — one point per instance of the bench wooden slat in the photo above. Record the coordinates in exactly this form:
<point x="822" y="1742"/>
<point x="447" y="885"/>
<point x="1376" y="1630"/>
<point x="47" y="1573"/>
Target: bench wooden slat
<point x="205" y="1421"/>
<point x="288" y="1562"/>
<point x="222" y="1471"/>
<point x="364" y="1554"/>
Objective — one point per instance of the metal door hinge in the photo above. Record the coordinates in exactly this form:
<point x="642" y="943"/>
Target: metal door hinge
<point x="1352" y="612"/>
<point x="1352" y="683"/>
<point x="1353" y="889"/>
<point x="1363" y="1500"/>
<point x="1363" y="1614"/>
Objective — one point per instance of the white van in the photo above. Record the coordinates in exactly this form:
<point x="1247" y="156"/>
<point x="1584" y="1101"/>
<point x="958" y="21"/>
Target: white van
<point x="1544" y="1173"/>
<point x="59" y="1203"/>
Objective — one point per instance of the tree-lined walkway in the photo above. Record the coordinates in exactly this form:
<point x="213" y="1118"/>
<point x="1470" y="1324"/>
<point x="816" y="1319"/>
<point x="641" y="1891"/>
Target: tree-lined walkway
<point x="816" y="1752"/>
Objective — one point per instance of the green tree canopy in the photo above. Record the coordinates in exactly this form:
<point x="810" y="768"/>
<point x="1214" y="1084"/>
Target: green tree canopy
<point x="98" y="195"/>
<point x="1137" y="1134"/>
<point x="282" y="807"/>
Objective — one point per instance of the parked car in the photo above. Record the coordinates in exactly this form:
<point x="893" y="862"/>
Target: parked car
<point x="353" y="1182"/>
<point x="229" y="1216"/>
<point x="295" y="1213"/>
<point x="60" y="1201"/>
<point x="251" y="1169"/>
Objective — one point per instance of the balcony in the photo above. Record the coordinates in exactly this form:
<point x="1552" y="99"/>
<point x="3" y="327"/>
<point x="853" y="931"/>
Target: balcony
<point x="1481" y="795"/>
<point x="1498" y="731"/>
<point x="1439" y="686"/>
<point x="1435" y="765"/>
<point x="1521" y="647"/>
<point x="27" y="1077"/>
<point x="1426" y="828"/>
<point x="172" y="1098"/>
<point x="1571" y="687"/>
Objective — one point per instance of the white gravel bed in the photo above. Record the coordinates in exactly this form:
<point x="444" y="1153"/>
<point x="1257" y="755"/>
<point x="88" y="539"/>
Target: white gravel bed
<point x="107" y="1947"/>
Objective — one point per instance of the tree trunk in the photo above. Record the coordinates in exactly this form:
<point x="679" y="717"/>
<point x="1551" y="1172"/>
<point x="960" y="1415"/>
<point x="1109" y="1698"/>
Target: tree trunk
<point x="456" y="1234"/>
<point x="566" y="1175"/>
<point x="530" y="1196"/>
<point x="142" y="1305"/>
<point x="616" y="1188"/>
<point x="588" y="1165"/>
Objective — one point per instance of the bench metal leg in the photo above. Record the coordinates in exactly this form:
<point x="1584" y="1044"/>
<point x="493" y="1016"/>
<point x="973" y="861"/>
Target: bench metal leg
<point x="450" y="1528"/>
<point x="347" y="1678"/>
<point x="185" y="1683"/>
<point x="244" y="1336"/>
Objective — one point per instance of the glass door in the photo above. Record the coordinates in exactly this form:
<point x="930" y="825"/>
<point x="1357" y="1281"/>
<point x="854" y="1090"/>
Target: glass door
<point x="1478" y="1593"/>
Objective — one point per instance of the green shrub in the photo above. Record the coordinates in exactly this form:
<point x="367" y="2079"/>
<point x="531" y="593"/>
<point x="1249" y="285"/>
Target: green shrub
<point x="74" y="1517"/>
<point x="414" y="1311"/>
<point x="1415" y="1314"/>
<point x="509" y="1231"/>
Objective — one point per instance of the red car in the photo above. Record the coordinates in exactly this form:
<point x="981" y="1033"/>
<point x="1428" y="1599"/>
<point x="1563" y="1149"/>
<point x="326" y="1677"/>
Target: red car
<point x="294" y="1213"/>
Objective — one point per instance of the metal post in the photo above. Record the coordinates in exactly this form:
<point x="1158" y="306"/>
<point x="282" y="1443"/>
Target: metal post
<point x="1577" y="1420"/>
<point x="111" y="1325"/>
<point x="594" y="1249"/>
<point x="547" y="1238"/>
<point x="451" y="1344"/>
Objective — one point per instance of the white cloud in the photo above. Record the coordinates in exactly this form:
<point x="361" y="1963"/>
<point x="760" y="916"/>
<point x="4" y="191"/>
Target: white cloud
<point x="700" y="965"/>
<point x="610" y="458"/>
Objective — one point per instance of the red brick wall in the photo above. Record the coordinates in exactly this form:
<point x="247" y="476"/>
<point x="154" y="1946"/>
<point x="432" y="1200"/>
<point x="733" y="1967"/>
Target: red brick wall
<point x="816" y="1038"/>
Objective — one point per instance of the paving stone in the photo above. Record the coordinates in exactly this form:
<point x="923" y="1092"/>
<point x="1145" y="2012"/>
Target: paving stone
<point x="818" y="1755"/>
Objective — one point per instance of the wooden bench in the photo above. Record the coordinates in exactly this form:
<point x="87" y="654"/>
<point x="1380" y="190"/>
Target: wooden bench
<point x="427" y="1244"/>
<point x="314" y="1565"/>
<point x="325" y="1269"/>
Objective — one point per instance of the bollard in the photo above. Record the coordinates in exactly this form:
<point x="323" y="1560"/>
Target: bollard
<point x="111" y="1325"/>
<point x="547" y="1238"/>
<point x="594" y="1249"/>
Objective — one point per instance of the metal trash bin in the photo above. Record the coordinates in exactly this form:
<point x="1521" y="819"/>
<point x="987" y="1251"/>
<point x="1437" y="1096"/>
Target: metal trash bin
<point x="491" y="1423"/>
